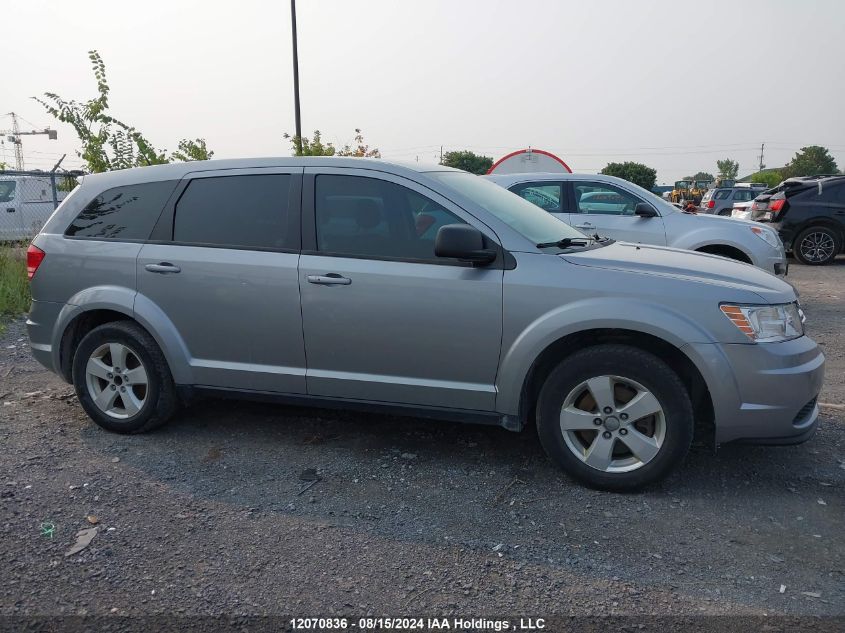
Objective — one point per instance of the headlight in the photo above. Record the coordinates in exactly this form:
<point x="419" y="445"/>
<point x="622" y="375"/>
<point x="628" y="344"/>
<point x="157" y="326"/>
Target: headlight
<point x="766" y="324"/>
<point x="770" y="237"/>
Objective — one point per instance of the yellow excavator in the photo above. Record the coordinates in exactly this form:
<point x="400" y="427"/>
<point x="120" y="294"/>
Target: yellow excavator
<point x="696" y="193"/>
<point x="681" y="190"/>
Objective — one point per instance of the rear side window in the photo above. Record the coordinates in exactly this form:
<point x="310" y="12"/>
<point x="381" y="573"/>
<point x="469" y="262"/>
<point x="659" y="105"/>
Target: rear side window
<point x="744" y="195"/>
<point x="234" y="211"/>
<point x="123" y="213"/>
<point x="722" y="194"/>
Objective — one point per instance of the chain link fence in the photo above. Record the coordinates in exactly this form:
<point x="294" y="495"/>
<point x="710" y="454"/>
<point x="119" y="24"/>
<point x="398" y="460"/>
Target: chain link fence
<point x="28" y="198"/>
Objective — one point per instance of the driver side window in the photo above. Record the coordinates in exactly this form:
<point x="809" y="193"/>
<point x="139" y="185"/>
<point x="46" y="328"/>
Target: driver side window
<point x="603" y="199"/>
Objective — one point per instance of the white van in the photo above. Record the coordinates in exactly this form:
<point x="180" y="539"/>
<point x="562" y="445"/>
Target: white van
<point x="26" y="203"/>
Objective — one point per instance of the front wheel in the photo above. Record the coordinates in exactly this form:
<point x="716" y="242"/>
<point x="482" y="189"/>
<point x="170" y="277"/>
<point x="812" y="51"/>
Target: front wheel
<point x="122" y="379"/>
<point x="816" y="246"/>
<point x="615" y="417"/>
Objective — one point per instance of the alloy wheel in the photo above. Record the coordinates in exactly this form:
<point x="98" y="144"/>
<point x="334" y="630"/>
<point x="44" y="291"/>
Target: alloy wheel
<point x="817" y="246"/>
<point x="116" y="380"/>
<point x="613" y="424"/>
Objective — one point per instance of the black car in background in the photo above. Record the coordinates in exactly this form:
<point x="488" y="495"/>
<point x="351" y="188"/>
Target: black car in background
<point x="809" y="214"/>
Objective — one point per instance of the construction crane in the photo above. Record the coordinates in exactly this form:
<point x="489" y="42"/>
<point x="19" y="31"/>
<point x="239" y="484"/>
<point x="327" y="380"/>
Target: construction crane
<point x="14" y="137"/>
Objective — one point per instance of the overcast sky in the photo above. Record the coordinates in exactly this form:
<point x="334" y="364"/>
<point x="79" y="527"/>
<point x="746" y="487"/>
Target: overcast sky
<point x="675" y="84"/>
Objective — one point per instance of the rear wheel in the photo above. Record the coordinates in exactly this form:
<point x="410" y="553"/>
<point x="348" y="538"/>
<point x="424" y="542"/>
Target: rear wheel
<point x="615" y="417"/>
<point x="816" y="246"/>
<point x="122" y="379"/>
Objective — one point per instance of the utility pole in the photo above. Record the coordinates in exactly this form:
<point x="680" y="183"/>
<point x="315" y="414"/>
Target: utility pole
<point x="298" y="121"/>
<point x="441" y="154"/>
<point x="762" y="147"/>
<point x="14" y="137"/>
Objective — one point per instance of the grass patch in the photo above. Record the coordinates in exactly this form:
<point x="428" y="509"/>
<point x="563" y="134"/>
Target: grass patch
<point x="14" y="286"/>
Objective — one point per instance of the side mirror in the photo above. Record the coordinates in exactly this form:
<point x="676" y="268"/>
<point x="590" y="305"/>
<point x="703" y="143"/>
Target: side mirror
<point x="645" y="210"/>
<point x="463" y="242"/>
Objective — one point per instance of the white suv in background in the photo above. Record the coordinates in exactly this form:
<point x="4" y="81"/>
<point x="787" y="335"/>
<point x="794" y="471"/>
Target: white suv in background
<point x="611" y="207"/>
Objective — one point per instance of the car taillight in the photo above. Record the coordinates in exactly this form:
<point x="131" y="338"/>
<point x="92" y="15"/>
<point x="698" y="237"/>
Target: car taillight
<point x="777" y="205"/>
<point x="34" y="257"/>
<point x="711" y="204"/>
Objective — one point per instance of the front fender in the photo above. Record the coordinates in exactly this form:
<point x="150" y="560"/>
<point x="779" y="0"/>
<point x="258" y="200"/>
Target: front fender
<point x="704" y="236"/>
<point x="581" y="316"/>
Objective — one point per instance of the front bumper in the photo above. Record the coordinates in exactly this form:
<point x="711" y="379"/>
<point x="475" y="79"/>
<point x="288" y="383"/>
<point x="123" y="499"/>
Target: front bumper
<point x="773" y="261"/>
<point x="765" y="392"/>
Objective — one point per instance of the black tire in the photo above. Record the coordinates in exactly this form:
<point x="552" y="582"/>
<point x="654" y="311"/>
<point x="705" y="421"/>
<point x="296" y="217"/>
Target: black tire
<point x="804" y="253"/>
<point x="159" y="395"/>
<point x="626" y="362"/>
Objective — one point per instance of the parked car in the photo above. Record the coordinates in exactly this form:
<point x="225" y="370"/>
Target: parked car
<point x="25" y="204"/>
<point x="611" y="207"/>
<point x="742" y="210"/>
<point x="809" y="215"/>
<point x="720" y="200"/>
<point x="362" y="284"/>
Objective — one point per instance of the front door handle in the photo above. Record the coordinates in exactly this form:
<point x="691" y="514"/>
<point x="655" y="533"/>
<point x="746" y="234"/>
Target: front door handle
<point x="10" y="209"/>
<point x="586" y="225"/>
<point x="329" y="279"/>
<point x="163" y="268"/>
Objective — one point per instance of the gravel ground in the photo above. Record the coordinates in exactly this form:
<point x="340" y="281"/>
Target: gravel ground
<point x="209" y="515"/>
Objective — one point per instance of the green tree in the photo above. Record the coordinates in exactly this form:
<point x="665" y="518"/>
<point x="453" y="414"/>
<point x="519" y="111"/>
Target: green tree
<point x="360" y="149"/>
<point x="316" y="147"/>
<point x="637" y="173"/>
<point x="702" y="175"/>
<point x="810" y="161"/>
<point x="107" y="142"/>
<point x="310" y="147"/>
<point x="191" y="150"/>
<point x="468" y="161"/>
<point x="728" y="169"/>
<point x="769" y="178"/>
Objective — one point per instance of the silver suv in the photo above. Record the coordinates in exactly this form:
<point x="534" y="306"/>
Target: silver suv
<point x="428" y="291"/>
<point x="615" y="208"/>
<point x="721" y="200"/>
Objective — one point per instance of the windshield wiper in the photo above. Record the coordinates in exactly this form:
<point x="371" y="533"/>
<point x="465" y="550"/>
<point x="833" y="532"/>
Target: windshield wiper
<point x="567" y="241"/>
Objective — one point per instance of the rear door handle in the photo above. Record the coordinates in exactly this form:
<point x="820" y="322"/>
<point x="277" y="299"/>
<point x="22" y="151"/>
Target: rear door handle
<point x="162" y="268"/>
<point x="10" y="209"/>
<point x="329" y="279"/>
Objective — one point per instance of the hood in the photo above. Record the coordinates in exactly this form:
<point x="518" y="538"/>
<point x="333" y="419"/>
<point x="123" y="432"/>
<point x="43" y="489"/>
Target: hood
<point x="709" y="217"/>
<point x="684" y="265"/>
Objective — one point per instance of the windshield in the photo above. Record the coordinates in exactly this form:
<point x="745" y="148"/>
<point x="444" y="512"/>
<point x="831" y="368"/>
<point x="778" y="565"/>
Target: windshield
<point x="522" y="216"/>
<point x="7" y="190"/>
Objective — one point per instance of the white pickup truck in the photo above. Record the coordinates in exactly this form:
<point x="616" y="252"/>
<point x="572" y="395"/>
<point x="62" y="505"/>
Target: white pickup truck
<point x="26" y="202"/>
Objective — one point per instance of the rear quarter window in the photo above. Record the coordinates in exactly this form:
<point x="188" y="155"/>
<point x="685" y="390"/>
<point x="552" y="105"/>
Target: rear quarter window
<point x="123" y="213"/>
